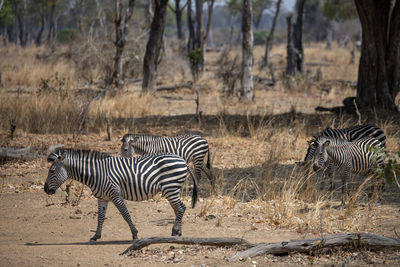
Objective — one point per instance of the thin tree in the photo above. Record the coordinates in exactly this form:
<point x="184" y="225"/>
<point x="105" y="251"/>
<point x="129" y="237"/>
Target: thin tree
<point x="178" y="11"/>
<point x="121" y="32"/>
<point x="270" y="38"/>
<point x="247" y="52"/>
<point x="210" y="5"/>
<point x="259" y="6"/>
<point x="52" y="27"/>
<point x="379" y="68"/>
<point x="1" y="4"/>
<point x="154" y="45"/>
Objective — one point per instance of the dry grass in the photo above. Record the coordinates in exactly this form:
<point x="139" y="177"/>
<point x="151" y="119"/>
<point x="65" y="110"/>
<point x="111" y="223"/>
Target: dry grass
<point x="254" y="150"/>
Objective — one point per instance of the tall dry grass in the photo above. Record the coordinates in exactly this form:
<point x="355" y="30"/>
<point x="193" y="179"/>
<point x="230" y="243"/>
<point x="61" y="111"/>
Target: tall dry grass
<point x="25" y="67"/>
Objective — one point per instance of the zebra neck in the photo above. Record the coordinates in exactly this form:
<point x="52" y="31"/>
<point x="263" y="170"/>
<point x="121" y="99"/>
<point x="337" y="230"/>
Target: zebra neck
<point x="84" y="171"/>
<point x="335" y="154"/>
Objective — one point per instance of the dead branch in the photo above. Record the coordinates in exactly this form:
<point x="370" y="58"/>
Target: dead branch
<point x="355" y="240"/>
<point x="215" y="241"/>
<point x="17" y="153"/>
<point x="176" y="86"/>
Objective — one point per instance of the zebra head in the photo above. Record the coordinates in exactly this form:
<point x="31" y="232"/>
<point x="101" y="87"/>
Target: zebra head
<point x="320" y="154"/>
<point x="312" y="146"/>
<point x="57" y="172"/>
<point x="127" y="149"/>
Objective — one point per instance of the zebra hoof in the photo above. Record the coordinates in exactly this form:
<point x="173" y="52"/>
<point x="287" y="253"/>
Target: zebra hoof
<point x="176" y="232"/>
<point x="94" y="239"/>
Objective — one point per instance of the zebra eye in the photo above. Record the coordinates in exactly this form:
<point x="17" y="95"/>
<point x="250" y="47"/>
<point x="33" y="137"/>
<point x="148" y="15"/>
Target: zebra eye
<point x="53" y="168"/>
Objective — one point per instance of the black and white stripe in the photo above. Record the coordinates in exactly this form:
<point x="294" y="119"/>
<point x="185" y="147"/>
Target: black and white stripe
<point x="117" y="179"/>
<point x="348" y="157"/>
<point x="350" y="134"/>
<point x="192" y="148"/>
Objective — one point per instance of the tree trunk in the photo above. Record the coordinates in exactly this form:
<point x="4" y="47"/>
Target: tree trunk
<point x="233" y="19"/>
<point x="1" y="4"/>
<point x="200" y="34"/>
<point x="270" y="38"/>
<point x="148" y="11"/>
<point x="38" y="39"/>
<point x="329" y="35"/>
<point x="51" y="33"/>
<point x="18" y="11"/>
<point x="178" y="14"/>
<point x="379" y="69"/>
<point x="178" y="10"/>
<point x="290" y="53"/>
<point x="298" y="35"/>
<point x="154" y="45"/>
<point x="11" y="33"/>
<point x="247" y="52"/>
<point x="121" y="32"/>
<point x="191" y="39"/>
<point x="210" y="4"/>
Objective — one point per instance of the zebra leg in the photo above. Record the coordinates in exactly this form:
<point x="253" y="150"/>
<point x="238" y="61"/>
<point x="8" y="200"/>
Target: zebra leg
<point x="120" y="204"/>
<point x="102" y="208"/>
<point x="179" y="209"/>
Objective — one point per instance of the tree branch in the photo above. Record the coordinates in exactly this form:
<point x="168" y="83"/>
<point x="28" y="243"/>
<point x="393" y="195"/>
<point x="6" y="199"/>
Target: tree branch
<point x="217" y="241"/>
<point x="355" y="240"/>
<point x="170" y="7"/>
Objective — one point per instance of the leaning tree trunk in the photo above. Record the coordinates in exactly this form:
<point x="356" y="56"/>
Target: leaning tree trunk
<point x="121" y="32"/>
<point x="247" y="52"/>
<point x="379" y="68"/>
<point x="298" y="35"/>
<point x="154" y="45"/>
<point x="270" y="38"/>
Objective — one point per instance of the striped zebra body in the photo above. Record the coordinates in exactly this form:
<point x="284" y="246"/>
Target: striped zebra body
<point x="348" y="157"/>
<point x="192" y="148"/>
<point x="117" y="179"/>
<point x="349" y="134"/>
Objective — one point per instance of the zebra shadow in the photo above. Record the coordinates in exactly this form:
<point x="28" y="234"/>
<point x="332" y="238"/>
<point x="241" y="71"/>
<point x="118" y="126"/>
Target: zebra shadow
<point x="97" y="243"/>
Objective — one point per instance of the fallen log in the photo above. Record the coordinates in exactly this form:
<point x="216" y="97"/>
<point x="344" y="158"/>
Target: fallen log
<point x="17" y="153"/>
<point x="355" y="240"/>
<point x="176" y="86"/>
<point x="216" y="241"/>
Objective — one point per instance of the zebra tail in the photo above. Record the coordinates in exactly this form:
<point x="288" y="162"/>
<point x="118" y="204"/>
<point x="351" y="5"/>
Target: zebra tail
<point x="208" y="160"/>
<point x="194" y="192"/>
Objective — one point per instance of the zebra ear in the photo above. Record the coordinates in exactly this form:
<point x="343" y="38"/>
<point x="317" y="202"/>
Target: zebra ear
<point x="52" y="157"/>
<point x="122" y="139"/>
<point x="327" y="143"/>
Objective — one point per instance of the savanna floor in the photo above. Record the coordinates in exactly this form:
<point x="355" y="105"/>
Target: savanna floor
<point x="261" y="194"/>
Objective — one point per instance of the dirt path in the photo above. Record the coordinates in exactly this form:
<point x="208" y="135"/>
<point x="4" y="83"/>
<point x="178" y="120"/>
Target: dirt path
<point x="58" y="233"/>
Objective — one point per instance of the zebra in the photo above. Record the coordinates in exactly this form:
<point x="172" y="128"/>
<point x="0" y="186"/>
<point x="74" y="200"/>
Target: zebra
<point x="117" y="179"/>
<point x="348" y="157"/>
<point x="192" y="148"/>
<point x="350" y="134"/>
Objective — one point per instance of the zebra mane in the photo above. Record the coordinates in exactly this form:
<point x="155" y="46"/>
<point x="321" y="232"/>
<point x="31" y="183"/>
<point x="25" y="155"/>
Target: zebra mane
<point x="77" y="153"/>
<point x="132" y="136"/>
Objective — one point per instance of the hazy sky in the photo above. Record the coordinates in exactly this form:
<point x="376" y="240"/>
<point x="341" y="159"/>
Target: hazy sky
<point x="288" y="4"/>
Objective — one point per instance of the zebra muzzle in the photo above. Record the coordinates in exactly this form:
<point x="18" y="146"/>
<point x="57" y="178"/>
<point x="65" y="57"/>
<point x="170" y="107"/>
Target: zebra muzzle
<point x="47" y="190"/>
